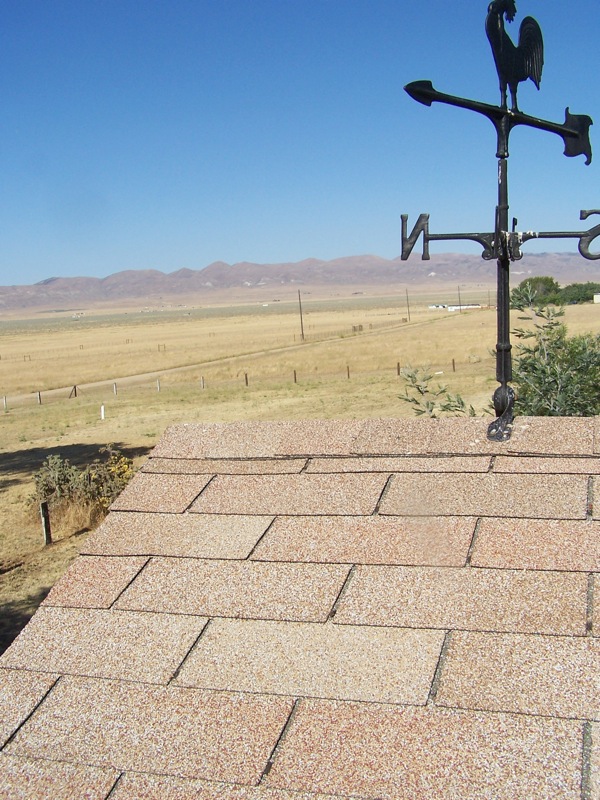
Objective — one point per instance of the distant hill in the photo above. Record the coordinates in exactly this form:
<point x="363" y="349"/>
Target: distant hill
<point x="150" y="286"/>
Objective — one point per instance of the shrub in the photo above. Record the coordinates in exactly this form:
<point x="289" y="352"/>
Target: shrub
<point x="554" y="374"/>
<point x="579" y="293"/>
<point x="547" y="291"/>
<point x="82" y="495"/>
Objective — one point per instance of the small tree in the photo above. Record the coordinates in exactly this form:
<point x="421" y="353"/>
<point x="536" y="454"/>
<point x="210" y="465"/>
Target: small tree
<point x="554" y="374"/>
<point x="545" y="289"/>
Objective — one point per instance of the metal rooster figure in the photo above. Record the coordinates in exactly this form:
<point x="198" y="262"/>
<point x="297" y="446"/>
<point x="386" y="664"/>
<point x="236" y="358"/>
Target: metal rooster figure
<point x="514" y="64"/>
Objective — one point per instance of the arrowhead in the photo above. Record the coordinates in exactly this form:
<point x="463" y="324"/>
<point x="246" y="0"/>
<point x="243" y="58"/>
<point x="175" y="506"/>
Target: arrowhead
<point x="422" y="92"/>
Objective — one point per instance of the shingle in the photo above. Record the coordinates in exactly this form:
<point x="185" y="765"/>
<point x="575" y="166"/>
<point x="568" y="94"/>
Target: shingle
<point x="472" y="599"/>
<point x="111" y="644"/>
<point x="364" y="540"/>
<point x="205" y="536"/>
<point x="246" y="440"/>
<point x="190" y="440"/>
<point x="224" y="466"/>
<point x="537" y="496"/>
<point x="291" y="494"/>
<point x="573" y="436"/>
<point x="318" y="437"/>
<point x="538" y="544"/>
<point x="544" y="465"/>
<point x="304" y="592"/>
<point x="134" y="786"/>
<point x="94" y="581"/>
<point x="25" y="779"/>
<point x="315" y="660"/>
<point x="548" y="675"/>
<point x="166" y="493"/>
<point x="184" y="732"/>
<point x="259" y="439"/>
<point x="20" y="693"/>
<point x="401" y="464"/>
<point x="379" y="751"/>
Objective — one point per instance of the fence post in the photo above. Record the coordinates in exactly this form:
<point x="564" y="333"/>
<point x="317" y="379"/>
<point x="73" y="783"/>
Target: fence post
<point x="453" y="366"/>
<point x="202" y="382"/>
<point x="246" y="378"/>
<point x="158" y="384"/>
<point x="102" y="411"/>
<point x="115" y="389"/>
<point x="295" y="377"/>
<point x="5" y="405"/>
<point x="348" y="371"/>
<point x="398" y="368"/>
<point x="45" y="516"/>
<point x="39" y="394"/>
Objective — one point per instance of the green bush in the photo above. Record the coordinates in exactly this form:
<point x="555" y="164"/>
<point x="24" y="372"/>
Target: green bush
<point x="545" y="289"/>
<point x="554" y="374"/>
<point x="579" y="293"/>
<point x="547" y="292"/>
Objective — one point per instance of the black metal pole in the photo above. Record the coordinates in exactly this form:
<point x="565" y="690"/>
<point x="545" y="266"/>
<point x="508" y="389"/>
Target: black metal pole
<point x="503" y="346"/>
<point x="504" y="396"/>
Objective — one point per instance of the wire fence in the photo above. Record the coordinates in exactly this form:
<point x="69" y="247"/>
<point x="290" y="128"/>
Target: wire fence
<point x="243" y="379"/>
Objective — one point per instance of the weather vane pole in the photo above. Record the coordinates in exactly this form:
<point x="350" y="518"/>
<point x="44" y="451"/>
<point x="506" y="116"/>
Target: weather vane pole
<point x="514" y="64"/>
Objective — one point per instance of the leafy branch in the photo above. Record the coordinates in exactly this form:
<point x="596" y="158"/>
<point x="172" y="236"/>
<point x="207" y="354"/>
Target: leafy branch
<point x="428" y="399"/>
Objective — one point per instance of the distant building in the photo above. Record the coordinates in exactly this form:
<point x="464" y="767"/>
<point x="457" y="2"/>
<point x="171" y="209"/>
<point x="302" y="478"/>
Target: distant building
<point x="597" y="298"/>
<point x="464" y="306"/>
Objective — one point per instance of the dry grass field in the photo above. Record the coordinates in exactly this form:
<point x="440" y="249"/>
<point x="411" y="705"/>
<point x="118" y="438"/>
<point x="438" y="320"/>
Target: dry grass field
<point x="151" y="369"/>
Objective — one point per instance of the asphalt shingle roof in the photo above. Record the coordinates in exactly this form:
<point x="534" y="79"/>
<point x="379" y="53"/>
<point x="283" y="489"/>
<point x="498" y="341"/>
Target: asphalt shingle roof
<point x="294" y="610"/>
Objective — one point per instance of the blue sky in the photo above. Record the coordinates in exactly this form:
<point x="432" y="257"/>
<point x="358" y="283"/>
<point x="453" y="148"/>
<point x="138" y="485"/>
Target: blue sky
<point x="162" y="134"/>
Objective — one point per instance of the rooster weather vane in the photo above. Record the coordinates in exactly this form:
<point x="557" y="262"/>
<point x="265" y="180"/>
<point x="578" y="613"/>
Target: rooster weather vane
<point x="514" y="64"/>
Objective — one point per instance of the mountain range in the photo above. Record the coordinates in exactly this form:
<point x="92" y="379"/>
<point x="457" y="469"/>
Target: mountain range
<point x="244" y="279"/>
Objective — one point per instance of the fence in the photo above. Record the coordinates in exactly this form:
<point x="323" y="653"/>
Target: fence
<point x="244" y="378"/>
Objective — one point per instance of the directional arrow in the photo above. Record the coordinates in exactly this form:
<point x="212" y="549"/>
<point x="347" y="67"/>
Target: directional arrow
<point x="575" y="131"/>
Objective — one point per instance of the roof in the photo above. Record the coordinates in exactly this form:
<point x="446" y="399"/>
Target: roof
<point x="318" y="609"/>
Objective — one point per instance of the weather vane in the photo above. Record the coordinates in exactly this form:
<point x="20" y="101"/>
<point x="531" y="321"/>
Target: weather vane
<point x="514" y="64"/>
